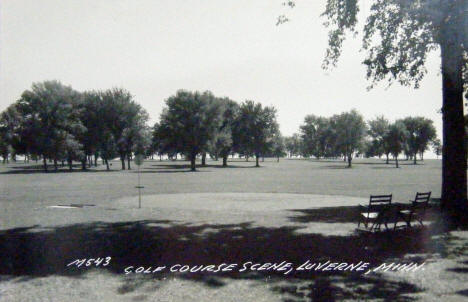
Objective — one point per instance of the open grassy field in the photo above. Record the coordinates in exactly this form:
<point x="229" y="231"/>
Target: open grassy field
<point x="28" y="183"/>
<point x="293" y="211"/>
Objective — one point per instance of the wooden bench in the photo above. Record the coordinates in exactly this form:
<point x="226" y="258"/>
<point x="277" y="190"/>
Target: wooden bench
<point x="376" y="213"/>
<point x="416" y="211"/>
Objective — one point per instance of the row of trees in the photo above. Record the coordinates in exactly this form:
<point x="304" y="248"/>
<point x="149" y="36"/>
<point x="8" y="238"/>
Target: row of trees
<point x="194" y="123"/>
<point x="347" y="135"/>
<point x="57" y="123"/>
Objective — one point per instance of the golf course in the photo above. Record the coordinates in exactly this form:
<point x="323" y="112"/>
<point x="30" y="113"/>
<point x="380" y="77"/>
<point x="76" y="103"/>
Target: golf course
<point x="193" y="225"/>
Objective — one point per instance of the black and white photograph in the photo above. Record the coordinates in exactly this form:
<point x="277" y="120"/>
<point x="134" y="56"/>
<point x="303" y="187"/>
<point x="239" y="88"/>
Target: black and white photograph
<point x="233" y="150"/>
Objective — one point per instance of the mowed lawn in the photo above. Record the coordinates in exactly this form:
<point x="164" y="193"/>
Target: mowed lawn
<point x="295" y="210"/>
<point x="23" y="182"/>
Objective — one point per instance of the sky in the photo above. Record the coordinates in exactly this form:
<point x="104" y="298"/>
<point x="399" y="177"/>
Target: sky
<point x="231" y="47"/>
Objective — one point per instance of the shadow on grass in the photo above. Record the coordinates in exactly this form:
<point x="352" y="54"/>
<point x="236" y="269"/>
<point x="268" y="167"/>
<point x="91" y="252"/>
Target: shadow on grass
<point x="171" y="171"/>
<point x="61" y="170"/>
<point x="390" y="167"/>
<point x="200" y="166"/>
<point x="328" y="215"/>
<point x="35" y="252"/>
<point x="336" y="167"/>
<point x="348" y="214"/>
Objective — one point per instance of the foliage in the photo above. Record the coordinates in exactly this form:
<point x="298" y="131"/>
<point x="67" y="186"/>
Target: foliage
<point x="293" y="145"/>
<point x="437" y="147"/>
<point x="421" y="132"/>
<point x="49" y="120"/>
<point x="378" y="128"/>
<point x="189" y="122"/>
<point x="124" y="118"/>
<point x="395" y="138"/>
<point x="318" y="136"/>
<point x="222" y="142"/>
<point x="255" y="129"/>
<point x="350" y="133"/>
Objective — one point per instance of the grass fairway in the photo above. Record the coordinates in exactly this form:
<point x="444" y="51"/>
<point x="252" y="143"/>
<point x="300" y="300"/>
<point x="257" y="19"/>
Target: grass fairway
<point x="293" y="211"/>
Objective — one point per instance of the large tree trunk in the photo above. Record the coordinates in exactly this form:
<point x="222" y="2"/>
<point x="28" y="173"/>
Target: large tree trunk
<point x="256" y="160"/>
<point x="55" y="165"/>
<point x="192" y="162"/>
<point x="454" y="187"/>
<point x="122" y="160"/>
<point x="225" y="160"/>
<point x="95" y="159"/>
<point x="203" y="159"/>
<point x="107" y="164"/>
<point x="386" y="162"/>
<point x="128" y="162"/>
<point x="44" y="160"/>
<point x="415" y="158"/>
<point x="83" y="163"/>
<point x="396" y="161"/>
<point x="350" y="158"/>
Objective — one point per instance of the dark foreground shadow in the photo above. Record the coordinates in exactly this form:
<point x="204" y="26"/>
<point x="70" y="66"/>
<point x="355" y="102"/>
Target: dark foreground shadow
<point x="34" y="252"/>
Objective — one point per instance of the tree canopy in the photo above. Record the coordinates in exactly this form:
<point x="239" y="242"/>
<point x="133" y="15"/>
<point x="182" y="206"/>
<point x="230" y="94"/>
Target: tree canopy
<point x="255" y="129"/>
<point x="189" y="122"/>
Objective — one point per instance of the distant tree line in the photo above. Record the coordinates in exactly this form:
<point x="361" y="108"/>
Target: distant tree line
<point x="56" y="124"/>
<point x="347" y="135"/>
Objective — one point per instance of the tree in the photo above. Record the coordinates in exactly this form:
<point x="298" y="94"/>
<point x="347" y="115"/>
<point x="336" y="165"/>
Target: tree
<point x="189" y="122"/>
<point x="254" y="129"/>
<point x="49" y="120"/>
<point x="293" y="145"/>
<point x="124" y="118"/>
<point x="351" y="130"/>
<point x="421" y="132"/>
<point x="316" y="136"/>
<point x="142" y="141"/>
<point x="222" y="143"/>
<point x="278" y="146"/>
<point x="397" y="36"/>
<point x="378" y="128"/>
<point x="10" y="122"/>
<point x="395" y="138"/>
<point x="93" y="119"/>
<point x="4" y="149"/>
<point x="156" y="146"/>
<point x="437" y="147"/>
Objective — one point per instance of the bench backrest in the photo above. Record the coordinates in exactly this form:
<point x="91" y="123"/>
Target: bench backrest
<point x="379" y="201"/>
<point x="421" y="200"/>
